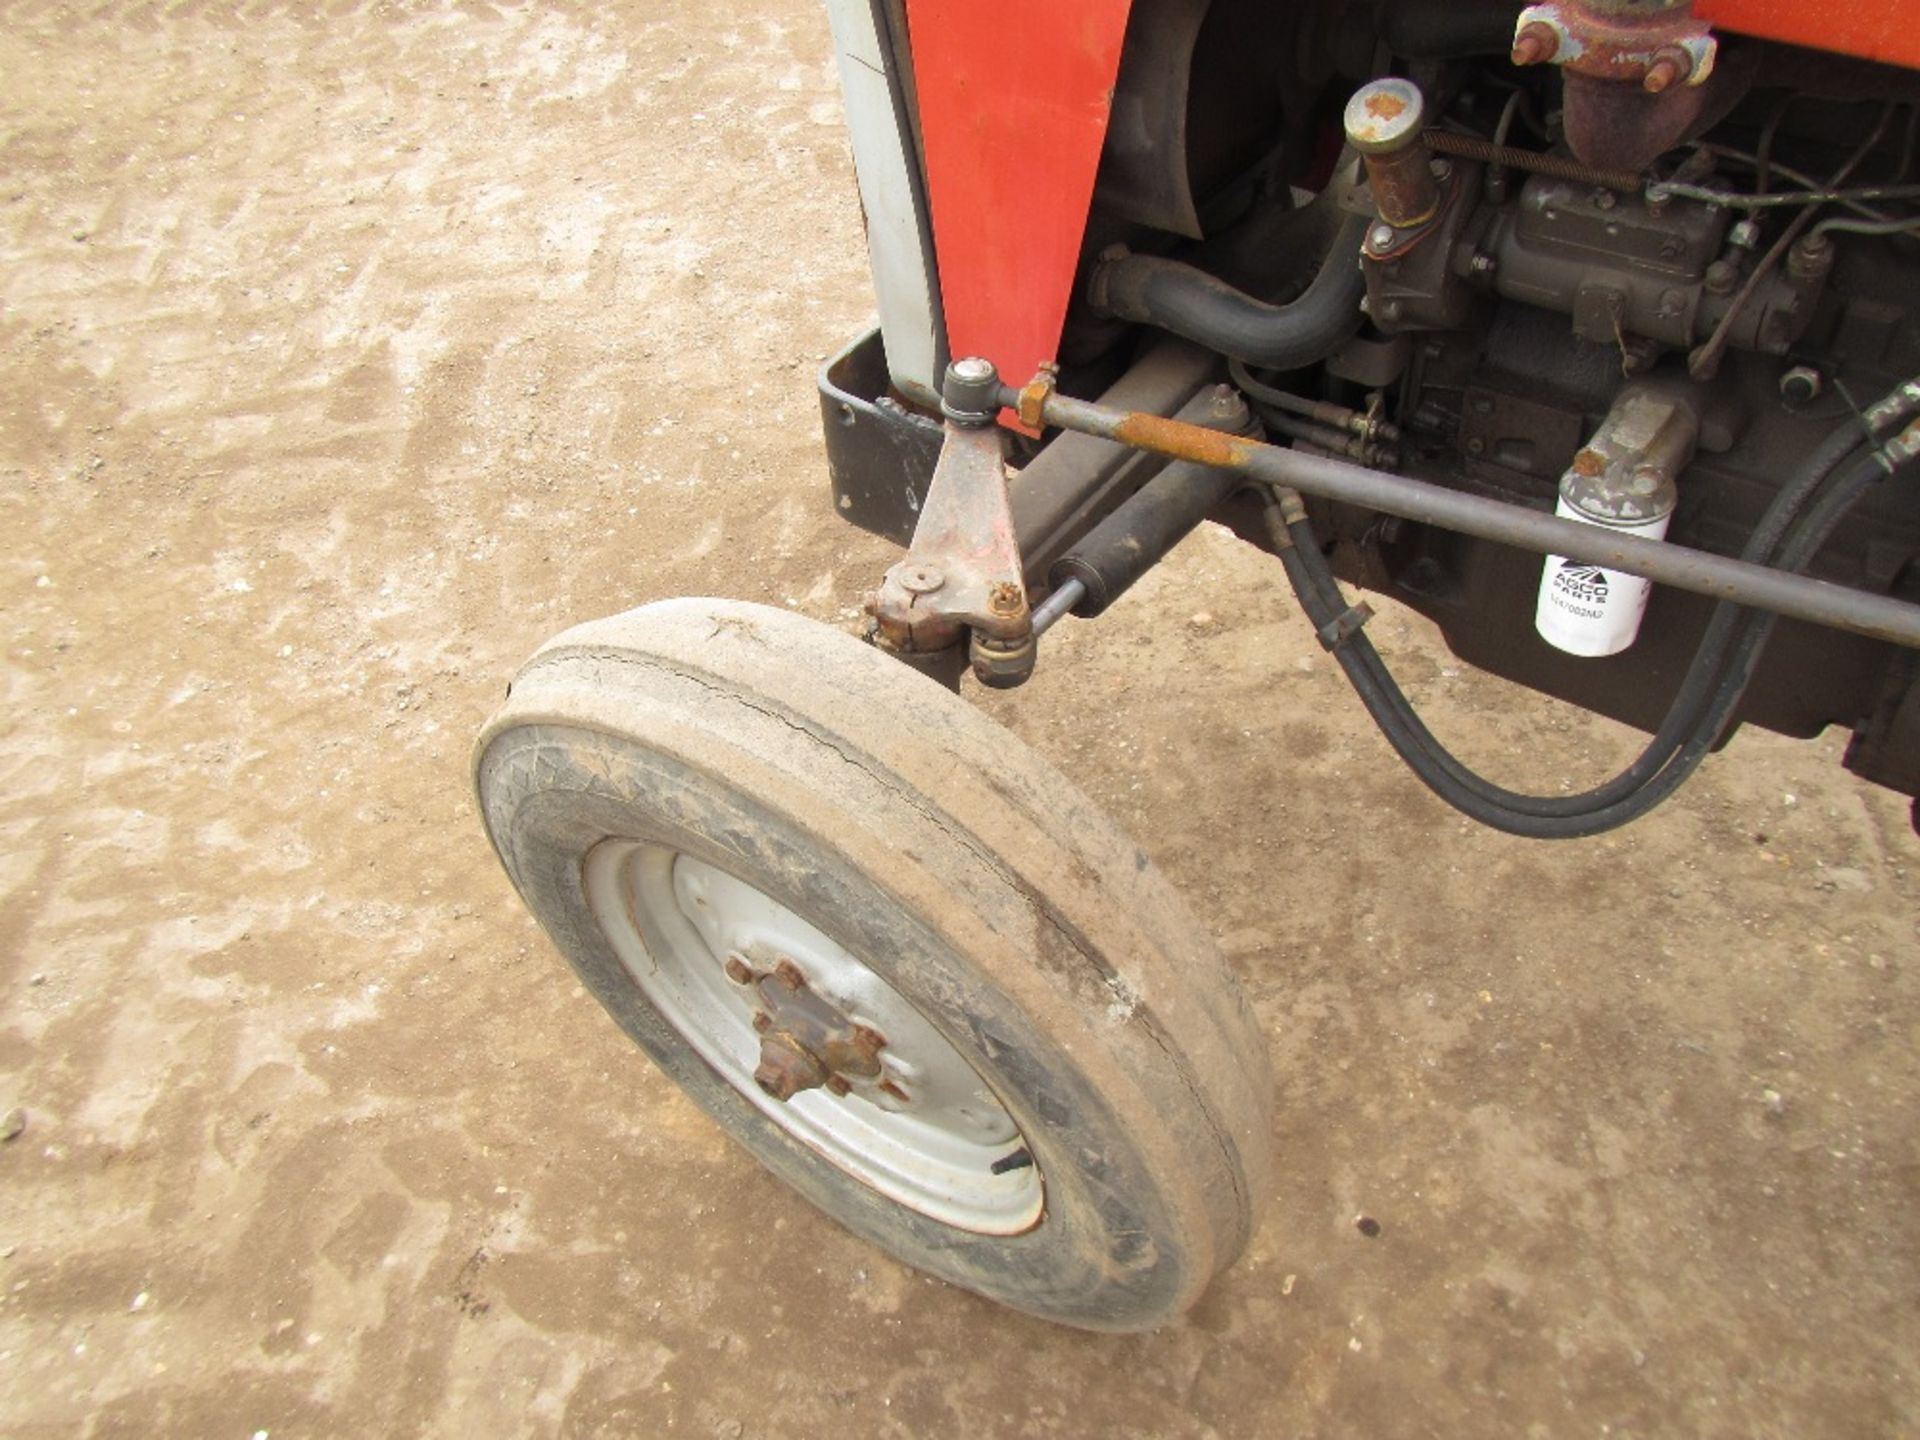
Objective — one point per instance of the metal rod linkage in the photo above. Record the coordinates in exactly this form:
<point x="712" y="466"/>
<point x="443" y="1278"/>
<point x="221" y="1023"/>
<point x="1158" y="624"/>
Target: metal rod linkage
<point x="1796" y="596"/>
<point x="1557" y="167"/>
<point x="1065" y="596"/>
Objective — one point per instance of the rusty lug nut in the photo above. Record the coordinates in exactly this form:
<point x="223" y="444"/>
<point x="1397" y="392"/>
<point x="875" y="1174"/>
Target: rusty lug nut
<point x="838" y="1084"/>
<point x="786" y="1069"/>
<point x="762" y="1021"/>
<point x="1005" y="598"/>
<point x="1670" y="66"/>
<point x="739" y="971"/>
<point x="789" y="974"/>
<point x="1535" y="44"/>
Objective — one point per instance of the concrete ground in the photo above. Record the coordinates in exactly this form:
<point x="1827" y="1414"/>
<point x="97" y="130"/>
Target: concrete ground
<point x="347" y="350"/>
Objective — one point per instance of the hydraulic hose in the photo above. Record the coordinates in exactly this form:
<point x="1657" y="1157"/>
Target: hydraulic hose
<point x="1696" y="689"/>
<point x="1175" y="296"/>
<point x="1710" y="692"/>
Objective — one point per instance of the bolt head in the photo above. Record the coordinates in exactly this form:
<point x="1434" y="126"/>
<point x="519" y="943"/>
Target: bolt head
<point x="1800" y="384"/>
<point x="1380" y="237"/>
<point x="739" y="971"/>
<point x="1226" y="403"/>
<point x="921" y="579"/>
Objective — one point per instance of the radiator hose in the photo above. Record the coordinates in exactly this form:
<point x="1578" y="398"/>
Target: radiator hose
<point x="1175" y="296"/>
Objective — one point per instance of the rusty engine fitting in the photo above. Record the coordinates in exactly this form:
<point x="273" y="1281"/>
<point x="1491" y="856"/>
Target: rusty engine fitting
<point x="1633" y="71"/>
<point x="1383" y="122"/>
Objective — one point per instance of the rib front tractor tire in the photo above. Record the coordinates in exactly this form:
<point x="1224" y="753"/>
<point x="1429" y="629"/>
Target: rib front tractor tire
<point x="891" y="951"/>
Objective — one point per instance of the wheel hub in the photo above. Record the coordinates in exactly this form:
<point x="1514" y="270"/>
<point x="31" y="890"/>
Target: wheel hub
<point x="805" y="1040"/>
<point x="815" y="1039"/>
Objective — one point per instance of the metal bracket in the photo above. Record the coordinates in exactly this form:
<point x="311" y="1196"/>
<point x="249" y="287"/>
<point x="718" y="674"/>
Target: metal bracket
<point x="1344" y="626"/>
<point x="962" y="572"/>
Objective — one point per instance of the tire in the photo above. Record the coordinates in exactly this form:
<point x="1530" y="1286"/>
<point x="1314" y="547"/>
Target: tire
<point x="1051" y="998"/>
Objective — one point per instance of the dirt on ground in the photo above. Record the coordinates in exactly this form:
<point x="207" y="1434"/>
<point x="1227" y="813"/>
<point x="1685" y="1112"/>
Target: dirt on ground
<point x="350" y="350"/>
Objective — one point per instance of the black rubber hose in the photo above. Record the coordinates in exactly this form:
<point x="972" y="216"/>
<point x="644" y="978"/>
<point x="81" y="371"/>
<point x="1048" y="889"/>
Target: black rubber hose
<point x="1696" y="690"/>
<point x="1646" y="783"/>
<point x="1689" y="701"/>
<point x="1855" y="482"/>
<point x="1175" y="296"/>
<point x="1449" y="29"/>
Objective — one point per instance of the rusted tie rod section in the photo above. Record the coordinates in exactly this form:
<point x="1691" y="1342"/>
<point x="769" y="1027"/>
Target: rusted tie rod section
<point x="1878" y="616"/>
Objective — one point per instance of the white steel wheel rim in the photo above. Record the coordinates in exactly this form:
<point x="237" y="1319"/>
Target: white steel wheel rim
<point x="673" y="920"/>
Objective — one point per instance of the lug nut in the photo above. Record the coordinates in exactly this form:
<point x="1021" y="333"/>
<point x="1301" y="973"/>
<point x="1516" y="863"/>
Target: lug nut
<point x="785" y="1069"/>
<point x="739" y="971"/>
